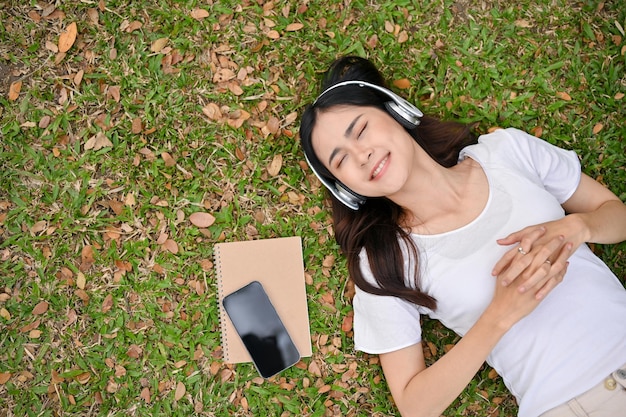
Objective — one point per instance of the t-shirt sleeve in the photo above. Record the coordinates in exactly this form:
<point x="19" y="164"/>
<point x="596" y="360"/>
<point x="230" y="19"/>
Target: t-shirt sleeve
<point x="557" y="169"/>
<point x="383" y="324"/>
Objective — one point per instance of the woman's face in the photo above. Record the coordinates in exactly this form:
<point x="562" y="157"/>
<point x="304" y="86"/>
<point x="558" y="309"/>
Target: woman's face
<point x="364" y="148"/>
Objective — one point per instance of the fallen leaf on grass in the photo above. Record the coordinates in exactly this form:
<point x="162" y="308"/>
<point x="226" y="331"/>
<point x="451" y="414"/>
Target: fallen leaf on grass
<point x="107" y="303"/>
<point x="159" y="44"/>
<point x="597" y="128"/>
<point x="4" y="377"/>
<point x="292" y="27"/>
<point x="180" y="391"/>
<point x="199" y="14"/>
<point x="14" y="90"/>
<point x="274" y="168"/>
<point x="134" y="351"/>
<point x="137" y="125"/>
<point x="201" y="219"/>
<point x="168" y="159"/>
<point x="171" y="246"/>
<point x="4" y="313"/>
<point x="563" y="95"/>
<point x="40" y="308"/>
<point x="97" y="142"/>
<point x="402" y="84"/>
<point x="67" y="38"/>
<point x="145" y="394"/>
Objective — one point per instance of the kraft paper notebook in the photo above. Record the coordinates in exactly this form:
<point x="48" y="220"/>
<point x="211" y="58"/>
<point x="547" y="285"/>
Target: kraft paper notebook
<point x="278" y="265"/>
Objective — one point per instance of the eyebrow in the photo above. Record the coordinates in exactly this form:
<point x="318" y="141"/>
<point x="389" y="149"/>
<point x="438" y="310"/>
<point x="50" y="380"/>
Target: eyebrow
<point x="346" y="134"/>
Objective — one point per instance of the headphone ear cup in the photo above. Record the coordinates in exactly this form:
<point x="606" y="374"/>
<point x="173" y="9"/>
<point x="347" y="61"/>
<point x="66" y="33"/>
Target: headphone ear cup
<point x="348" y="197"/>
<point x="401" y="115"/>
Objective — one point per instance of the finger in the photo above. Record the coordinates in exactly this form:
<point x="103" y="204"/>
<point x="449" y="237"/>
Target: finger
<point x="552" y="283"/>
<point x="519" y="235"/>
<point x="541" y="268"/>
<point x="504" y="262"/>
<point x="526" y="238"/>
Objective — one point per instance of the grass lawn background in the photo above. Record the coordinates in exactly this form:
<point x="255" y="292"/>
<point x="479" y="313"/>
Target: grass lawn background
<point x="119" y="120"/>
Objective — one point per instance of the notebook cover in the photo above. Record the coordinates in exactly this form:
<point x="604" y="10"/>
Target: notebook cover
<point x="278" y="265"/>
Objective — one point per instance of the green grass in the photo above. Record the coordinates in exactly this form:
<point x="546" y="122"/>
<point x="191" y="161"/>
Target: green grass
<point x="497" y="63"/>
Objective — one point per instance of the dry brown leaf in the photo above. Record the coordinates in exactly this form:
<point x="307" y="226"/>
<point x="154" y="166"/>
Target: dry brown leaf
<point x="134" y="351"/>
<point x="82" y="294"/>
<point x="273" y="34"/>
<point x="346" y="325"/>
<point x="597" y="128"/>
<point x="402" y="83"/>
<point x="97" y="142"/>
<point x="131" y="27"/>
<point x="274" y="168"/>
<point x="107" y="303"/>
<point x="114" y="93"/>
<point x="159" y="44"/>
<point x="116" y="206"/>
<point x="145" y="394"/>
<point x="92" y="15"/>
<point x="171" y="246"/>
<point x="201" y="219"/>
<point x="40" y="308"/>
<point x="81" y="281"/>
<point x="4" y="313"/>
<point x="199" y="14"/>
<point x="4" y="377"/>
<point x="56" y="378"/>
<point x="137" y="125"/>
<point x="292" y="27"/>
<point x="403" y="36"/>
<point x="180" y="391"/>
<point x="523" y="23"/>
<point x="168" y="159"/>
<point x="563" y="95"/>
<point x="619" y="96"/>
<point x="67" y="38"/>
<point x="212" y="111"/>
<point x="14" y="90"/>
<point x="224" y="74"/>
<point x="39" y="226"/>
<point x="87" y="255"/>
<point x="162" y="238"/>
<point x="273" y="124"/>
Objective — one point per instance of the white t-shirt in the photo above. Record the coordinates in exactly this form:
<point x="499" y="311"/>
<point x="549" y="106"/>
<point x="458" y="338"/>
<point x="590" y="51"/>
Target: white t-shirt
<point x="571" y="341"/>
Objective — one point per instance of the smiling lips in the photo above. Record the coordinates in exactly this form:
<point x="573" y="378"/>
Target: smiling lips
<point x="379" y="167"/>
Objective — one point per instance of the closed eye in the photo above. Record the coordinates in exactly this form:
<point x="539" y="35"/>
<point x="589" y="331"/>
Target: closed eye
<point x="362" y="130"/>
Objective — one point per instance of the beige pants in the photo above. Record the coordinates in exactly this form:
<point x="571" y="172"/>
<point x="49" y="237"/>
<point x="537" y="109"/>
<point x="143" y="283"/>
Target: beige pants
<point x="607" y="399"/>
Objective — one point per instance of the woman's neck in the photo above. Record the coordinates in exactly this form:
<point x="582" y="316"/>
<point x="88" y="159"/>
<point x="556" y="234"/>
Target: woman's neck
<point x="440" y="199"/>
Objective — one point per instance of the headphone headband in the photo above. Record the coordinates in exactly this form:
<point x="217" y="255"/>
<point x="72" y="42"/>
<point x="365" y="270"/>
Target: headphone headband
<point x="401" y="110"/>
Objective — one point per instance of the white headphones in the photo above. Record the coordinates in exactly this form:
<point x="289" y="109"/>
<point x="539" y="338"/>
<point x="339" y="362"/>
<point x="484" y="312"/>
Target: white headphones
<point x="401" y="110"/>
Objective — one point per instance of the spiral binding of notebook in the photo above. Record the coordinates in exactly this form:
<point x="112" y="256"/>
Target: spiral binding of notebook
<point x="220" y="297"/>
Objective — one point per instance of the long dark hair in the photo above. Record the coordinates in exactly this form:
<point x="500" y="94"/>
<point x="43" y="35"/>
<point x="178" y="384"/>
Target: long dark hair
<point x="376" y="226"/>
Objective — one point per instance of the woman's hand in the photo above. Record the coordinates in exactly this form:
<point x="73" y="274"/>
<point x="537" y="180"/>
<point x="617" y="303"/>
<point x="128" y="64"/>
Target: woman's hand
<point x="538" y="260"/>
<point x="527" y="280"/>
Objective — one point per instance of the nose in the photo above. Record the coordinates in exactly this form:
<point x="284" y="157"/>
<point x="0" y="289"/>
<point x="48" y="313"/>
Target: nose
<point x="363" y="154"/>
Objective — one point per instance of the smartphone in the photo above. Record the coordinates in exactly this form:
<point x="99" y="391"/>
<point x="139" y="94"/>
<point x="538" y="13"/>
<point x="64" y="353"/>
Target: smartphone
<point x="263" y="333"/>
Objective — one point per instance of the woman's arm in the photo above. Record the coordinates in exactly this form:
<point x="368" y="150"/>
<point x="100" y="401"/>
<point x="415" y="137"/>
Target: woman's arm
<point x="595" y="215"/>
<point x="427" y="391"/>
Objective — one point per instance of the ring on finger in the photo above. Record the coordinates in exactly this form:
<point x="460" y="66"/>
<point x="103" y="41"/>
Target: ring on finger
<point x="548" y="261"/>
<point x="521" y="250"/>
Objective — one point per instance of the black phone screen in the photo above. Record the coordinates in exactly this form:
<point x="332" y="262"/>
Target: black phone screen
<point x="261" y="330"/>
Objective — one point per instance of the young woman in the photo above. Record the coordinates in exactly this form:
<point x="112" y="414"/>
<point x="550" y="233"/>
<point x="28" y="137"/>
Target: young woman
<point x="486" y="235"/>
